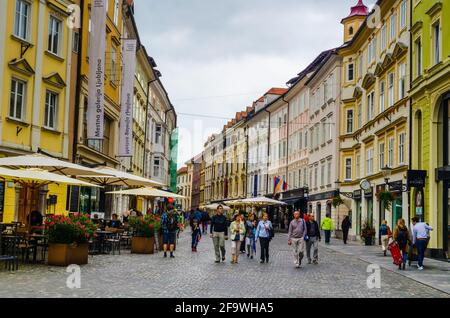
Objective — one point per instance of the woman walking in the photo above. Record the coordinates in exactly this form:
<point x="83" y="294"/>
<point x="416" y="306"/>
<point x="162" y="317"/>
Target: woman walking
<point x="402" y="237"/>
<point x="237" y="230"/>
<point x="263" y="233"/>
<point x="346" y="224"/>
<point x="250" y="228"/>
<point x="385" y="234"/>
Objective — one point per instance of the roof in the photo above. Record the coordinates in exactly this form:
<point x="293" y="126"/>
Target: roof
<point x="311" y="67"/>
<point x="360" y="9"/>
<point x="182" y="170"/>
<point x="276" y="91"/>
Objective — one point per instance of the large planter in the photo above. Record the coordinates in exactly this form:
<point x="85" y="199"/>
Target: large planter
<point x="368" y="240"/>
<point x="143" y="245"/>
<point x="68" y="254"/>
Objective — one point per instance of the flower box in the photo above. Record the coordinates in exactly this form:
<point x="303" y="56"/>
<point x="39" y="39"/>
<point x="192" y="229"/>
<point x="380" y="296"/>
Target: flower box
<point x="143" y="245"/>
<point x="68" y="254"/>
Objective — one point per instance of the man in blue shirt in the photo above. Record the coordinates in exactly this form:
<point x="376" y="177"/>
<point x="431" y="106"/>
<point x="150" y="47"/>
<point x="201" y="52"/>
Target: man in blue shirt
<point x="421" y="235"/>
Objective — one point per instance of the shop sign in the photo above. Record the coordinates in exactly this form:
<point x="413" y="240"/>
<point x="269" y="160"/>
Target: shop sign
<point x="357" y="194"/>
<point x="416" y="178"/>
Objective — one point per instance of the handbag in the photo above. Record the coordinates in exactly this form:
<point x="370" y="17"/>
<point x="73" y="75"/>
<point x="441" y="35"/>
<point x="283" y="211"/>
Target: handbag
<point x="305" y="237"/>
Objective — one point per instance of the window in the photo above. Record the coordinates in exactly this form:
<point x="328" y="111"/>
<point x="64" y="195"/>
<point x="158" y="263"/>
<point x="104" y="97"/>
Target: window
<point x="402" y="81"/>
<point x="306" y="139"/>
<point x="158" y="134"/>
<point x="383" y="38"/>
<point x="437" y="42"/>
<point x="76" y="42"/>
<point x="372" y="50"/>
<point x="401" y="148"/>
<point x="402" y="14"/>
<point x="116" y="12"/>
<point x="324" y="132"/>
<point x="54" y="35"/>
<point x="156" y="167"/>
<point x="391" y="77"/>
<point x="329" y="173"/>
<point x="17" y="100"/>
<point x="316" y="173"/>
<point x="393" y="30"/>
<point x="300" y="140"/>
<point x="348" y="169"/>
<point x="381" y="156"/>
<point x="349" y="121"/>
<point x="390" y="152"/>
<point x="322" y="175"/>
<point x="350" y="72"/>
<point x="358" y="166"/>
<point x="359" y="114"/>
<point x="370" y="106"/>
<point x="113" y="64"/>
<point x="329" y="127"/>
<point x="22" y="19"/>
<point x="418" y="45"/>
<point x="382" y="95"/>
<point x="51" y="106"/>
<point x="369" y="161"/>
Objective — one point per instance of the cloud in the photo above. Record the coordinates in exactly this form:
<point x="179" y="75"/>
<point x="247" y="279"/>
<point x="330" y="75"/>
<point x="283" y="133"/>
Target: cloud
<point x="217" y="56"/>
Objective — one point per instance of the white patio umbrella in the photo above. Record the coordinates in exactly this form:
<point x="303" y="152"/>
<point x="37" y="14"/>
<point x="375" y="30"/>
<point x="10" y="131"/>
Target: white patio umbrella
<point x="36" y="178"/>
<point x="48" y="163"/>
<point x="148" y="192"/>
<point x="259" y="201"/>
<point x="114" y="177"/>
<point x="215" y="205"/>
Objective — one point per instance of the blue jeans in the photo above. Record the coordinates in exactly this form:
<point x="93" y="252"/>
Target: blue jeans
<point x="195" y="239"/>
<point x="327" y="236"/>
<point x="421" y="247"/>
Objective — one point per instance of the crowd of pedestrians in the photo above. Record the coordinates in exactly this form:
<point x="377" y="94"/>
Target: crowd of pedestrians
<point x="304" y="235"/>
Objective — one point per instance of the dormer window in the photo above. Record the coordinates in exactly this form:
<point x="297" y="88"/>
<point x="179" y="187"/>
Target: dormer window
<point x="350" y="31"/>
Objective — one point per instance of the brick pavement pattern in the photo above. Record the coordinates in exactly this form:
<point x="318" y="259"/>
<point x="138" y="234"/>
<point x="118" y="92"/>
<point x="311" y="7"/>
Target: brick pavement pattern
<point x="196" y="275"/>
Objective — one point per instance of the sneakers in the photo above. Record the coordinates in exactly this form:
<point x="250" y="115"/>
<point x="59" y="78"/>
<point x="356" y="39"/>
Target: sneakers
<point x="297" y="266"/>
<point x="420" y="268"/>
<point x="217" y="262"/>
<point x="223" y="259"/>
<point x="309" y="261"/>
<point x="261" y="261"/>
<point x="315" y="262"/>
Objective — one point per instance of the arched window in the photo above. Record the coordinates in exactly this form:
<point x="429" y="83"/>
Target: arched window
<point x="350" y="31"/>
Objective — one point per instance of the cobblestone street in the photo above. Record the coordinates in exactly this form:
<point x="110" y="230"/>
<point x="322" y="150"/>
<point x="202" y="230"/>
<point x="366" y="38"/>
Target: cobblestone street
<point x="196" y="275"/>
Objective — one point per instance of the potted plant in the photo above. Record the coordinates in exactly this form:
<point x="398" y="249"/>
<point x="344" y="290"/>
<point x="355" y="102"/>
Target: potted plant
<point x="144" y="229"/>
<point x="386" y="198"/>
<point x="367" y="233"/>
<point x="68" y="238"/>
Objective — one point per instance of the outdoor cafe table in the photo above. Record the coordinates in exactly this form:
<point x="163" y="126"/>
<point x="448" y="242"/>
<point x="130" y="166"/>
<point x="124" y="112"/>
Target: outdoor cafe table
<point x="101" y="237"/>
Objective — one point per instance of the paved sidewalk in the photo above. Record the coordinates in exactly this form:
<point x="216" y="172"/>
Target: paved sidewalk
<point x="436" y="273"/>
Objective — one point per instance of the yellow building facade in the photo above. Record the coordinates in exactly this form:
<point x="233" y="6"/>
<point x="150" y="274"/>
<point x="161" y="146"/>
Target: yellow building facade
<point x="35" y="77"/>
<point x="374" y="120"/>
<point x="430" y="94"/>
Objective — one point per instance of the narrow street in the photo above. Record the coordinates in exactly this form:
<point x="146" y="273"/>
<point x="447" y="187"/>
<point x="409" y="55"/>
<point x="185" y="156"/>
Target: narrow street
<point x="196" y="275"/>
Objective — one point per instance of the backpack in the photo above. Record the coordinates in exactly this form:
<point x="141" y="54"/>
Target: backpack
<point x="402" y="239"/>
<point x="171" y="223"/>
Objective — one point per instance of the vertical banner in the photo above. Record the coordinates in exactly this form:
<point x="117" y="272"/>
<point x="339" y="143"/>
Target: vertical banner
<point x="126" y="107"/>
<point x="97" y="48"/>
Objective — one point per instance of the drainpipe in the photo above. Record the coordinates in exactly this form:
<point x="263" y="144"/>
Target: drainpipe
<point x="146" y="122"/>
<point x="287" y="141"/>
<point x="268" y="152"/>
<point x="78" y="86"/>
<point x="410" y="107"/>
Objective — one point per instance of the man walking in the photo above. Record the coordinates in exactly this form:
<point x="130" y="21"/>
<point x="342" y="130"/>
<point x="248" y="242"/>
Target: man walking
<point x="219" y="233"/>
<point x="327" y="226"/>
<point x="314" y="239"/>
<point x="296" y="238"/>
<point x="420" y="239"/>
<point x="169" y="227"/>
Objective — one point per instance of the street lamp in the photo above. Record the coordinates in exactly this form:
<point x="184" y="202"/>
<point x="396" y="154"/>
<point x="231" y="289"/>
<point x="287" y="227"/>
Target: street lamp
<point x="387" y="171"/>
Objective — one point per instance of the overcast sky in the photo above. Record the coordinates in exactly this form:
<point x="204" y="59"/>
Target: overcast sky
<point x="218" y="56"/>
